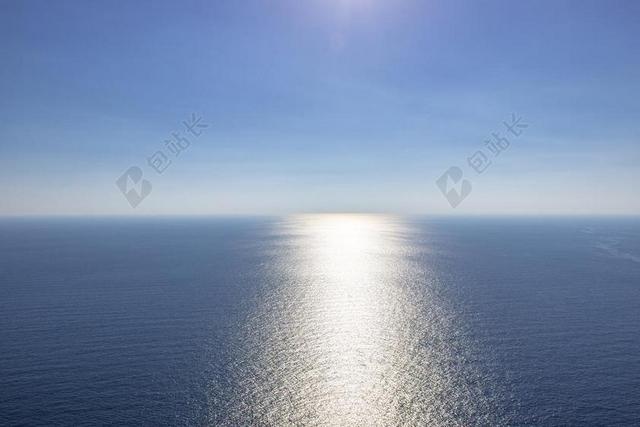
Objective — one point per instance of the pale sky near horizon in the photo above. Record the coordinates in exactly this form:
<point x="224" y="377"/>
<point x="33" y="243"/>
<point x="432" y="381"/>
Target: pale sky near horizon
<point x="319" y="105"/>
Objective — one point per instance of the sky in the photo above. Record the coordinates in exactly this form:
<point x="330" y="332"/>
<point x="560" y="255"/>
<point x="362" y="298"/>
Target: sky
<point x="319" y="106"/>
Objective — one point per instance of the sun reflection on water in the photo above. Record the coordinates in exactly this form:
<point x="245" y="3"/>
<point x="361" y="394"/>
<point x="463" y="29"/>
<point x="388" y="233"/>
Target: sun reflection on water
<point x="351" y="329"/>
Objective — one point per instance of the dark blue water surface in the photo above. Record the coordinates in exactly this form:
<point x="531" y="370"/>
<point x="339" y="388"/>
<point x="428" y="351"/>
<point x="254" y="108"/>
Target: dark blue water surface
<point x="320" y="320"/>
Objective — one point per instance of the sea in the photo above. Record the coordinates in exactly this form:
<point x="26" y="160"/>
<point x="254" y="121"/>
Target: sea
<point x="321" y="320"/>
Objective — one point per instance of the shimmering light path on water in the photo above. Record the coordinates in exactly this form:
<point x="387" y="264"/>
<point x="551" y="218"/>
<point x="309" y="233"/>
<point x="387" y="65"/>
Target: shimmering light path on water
<point x="351" y="330"/>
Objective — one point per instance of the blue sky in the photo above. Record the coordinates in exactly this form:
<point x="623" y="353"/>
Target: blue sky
<point x="320" y="105"/>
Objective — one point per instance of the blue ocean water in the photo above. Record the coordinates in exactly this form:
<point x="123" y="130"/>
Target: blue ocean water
<point x="320" y="320"/>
